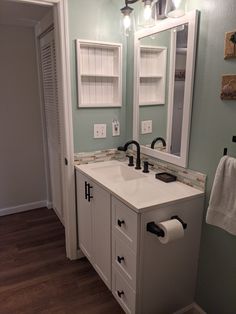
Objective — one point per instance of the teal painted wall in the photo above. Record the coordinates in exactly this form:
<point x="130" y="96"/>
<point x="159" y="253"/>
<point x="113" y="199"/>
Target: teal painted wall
<point x="99" y="21"/>
<point x="213" y="124"/>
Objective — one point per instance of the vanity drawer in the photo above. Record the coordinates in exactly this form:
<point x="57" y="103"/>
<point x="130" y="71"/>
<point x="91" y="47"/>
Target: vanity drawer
<point x="125" y="223"/>
<point x="123" y="293"/>
<point x="124" y="259"/>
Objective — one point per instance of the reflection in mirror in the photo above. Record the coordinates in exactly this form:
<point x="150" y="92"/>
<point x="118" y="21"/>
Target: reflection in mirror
<point x="161" y="89"/>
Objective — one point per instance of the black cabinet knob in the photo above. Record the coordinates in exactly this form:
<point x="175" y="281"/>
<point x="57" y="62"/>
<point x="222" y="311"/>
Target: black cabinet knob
<point x="120" y="259"/>
<point x="120" y="222"/>
<point x="120" y="293"/>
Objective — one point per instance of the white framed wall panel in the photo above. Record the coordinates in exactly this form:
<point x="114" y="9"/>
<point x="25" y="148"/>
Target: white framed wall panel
<point x="99" y="68"/>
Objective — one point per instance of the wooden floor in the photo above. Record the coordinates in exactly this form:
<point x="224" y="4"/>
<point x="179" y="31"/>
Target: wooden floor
<point x="36" y="276"/>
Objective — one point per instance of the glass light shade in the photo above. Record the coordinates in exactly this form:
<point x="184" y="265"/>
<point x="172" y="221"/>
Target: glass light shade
<point x="147" y="12"/>
<point x="146" y="16"/>
<point x="127" y="24"/>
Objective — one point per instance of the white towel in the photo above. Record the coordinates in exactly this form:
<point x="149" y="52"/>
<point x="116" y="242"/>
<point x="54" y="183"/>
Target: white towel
<point x="222" y="206"/>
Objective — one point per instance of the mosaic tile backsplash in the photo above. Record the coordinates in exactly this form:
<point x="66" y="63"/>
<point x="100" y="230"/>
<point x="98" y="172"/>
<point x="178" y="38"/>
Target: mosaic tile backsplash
<point x="186" y="176"/>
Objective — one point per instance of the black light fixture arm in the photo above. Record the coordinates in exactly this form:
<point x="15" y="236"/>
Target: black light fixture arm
<point x="127" y="2"/>
<point x="226" y="149"/>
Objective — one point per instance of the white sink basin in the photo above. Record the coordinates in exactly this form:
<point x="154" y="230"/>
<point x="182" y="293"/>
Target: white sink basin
<point x="118" y="173"/>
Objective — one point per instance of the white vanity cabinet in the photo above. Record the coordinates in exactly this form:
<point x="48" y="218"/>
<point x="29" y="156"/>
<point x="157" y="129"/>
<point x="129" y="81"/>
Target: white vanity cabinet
<point x="145" y="276"/>
<point x="94" y="225"/>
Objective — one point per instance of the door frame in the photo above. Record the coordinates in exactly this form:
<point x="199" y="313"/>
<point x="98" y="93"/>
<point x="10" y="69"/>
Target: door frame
<point x="60" y="13"/>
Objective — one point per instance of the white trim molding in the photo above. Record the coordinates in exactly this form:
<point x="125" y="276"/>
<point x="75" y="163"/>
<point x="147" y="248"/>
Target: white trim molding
<point x="194" y="308"/>
<point x="65" y="103"/>
<point x="198" y="309"/>
<point x="23" y="208"/>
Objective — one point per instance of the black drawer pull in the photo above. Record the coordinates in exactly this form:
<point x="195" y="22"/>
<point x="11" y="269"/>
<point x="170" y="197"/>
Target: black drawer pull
<point x="120" y="293"/>
<point x="120" y="259"/>
<point x="120" y="222"/>
<point x="89" y="190"/>
<point x="86" y="190"/>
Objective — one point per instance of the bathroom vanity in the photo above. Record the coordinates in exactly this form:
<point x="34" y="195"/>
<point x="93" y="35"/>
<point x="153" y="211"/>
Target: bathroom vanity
<point x="115" y="204"/>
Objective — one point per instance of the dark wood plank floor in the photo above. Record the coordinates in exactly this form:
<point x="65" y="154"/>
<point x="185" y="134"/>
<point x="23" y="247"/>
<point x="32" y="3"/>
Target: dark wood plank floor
<point x="35" y="275"/>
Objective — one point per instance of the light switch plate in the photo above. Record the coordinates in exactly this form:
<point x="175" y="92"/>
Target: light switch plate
<point x="100" y="130"/>
<point x="115" y="128"/>
<point x="146" y="127"/>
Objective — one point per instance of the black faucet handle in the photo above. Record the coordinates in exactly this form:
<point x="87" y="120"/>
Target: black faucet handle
<point x="145" y="166"/>
<point x="131" y="160"/>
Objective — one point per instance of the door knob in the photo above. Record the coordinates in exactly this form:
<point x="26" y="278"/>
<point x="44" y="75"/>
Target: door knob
<point x="120" y="222"/>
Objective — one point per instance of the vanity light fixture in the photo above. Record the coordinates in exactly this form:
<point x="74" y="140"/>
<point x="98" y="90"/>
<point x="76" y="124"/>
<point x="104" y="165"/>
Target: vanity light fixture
<point x="153" y="10"/>
<point x="147" y="14"/>
<point x="126" y="11"/>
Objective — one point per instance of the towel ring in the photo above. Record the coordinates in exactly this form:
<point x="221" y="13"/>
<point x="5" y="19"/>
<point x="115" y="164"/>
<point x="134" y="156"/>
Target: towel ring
<point x="226" y="149"/>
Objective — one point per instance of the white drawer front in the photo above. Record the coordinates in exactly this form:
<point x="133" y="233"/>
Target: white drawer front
<point x="123" y="293"/>
<point x="124" y="260"/>
<point x="125" y="223"/>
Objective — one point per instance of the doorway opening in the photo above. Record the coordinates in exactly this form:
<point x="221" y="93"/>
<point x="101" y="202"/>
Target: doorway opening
<point x="36" y="118"/>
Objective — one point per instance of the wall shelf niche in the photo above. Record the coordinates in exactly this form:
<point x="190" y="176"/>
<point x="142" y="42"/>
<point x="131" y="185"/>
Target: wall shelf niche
<point x="152" y="75"/>
<point x="99" y="68"/>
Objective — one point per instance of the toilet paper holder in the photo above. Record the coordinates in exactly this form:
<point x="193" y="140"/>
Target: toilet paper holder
<point x="153" y="228"/>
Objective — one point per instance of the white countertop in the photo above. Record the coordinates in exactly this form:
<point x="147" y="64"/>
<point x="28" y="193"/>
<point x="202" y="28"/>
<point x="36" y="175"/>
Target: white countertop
<point x="140" y="194"/>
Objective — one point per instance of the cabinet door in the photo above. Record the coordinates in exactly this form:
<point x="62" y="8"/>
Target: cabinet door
<point x="84" y="217"/>
<point x="101" y="204"/>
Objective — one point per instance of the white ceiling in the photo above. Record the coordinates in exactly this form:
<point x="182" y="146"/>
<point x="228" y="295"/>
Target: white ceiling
<point x="21" y="14"/>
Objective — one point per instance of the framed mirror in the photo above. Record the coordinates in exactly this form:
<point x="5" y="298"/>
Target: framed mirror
<point x="163" y="87"/>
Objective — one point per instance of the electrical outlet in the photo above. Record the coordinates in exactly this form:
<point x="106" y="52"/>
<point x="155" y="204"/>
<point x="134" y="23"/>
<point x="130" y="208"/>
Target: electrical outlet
<point x="146" y="127"/>
<point x="100" y="130"/>
<point x="115" y="128"/>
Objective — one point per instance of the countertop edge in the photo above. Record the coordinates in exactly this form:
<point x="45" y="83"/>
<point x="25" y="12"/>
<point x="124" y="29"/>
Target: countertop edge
<point x="142" y="209"/>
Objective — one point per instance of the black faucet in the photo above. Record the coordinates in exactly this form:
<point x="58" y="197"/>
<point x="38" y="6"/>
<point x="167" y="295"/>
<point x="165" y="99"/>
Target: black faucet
<point x="156" y="140"/>
<point x="125" y="147"/>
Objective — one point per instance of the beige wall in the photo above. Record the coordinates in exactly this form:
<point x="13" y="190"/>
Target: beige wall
<point x="22" y="175"/>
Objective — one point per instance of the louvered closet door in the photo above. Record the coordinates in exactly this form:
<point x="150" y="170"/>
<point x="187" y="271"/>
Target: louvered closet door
<point x="51" y="110"/>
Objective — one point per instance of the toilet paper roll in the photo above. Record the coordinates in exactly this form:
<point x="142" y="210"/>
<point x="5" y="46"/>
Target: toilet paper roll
<point x="173" y="230"/>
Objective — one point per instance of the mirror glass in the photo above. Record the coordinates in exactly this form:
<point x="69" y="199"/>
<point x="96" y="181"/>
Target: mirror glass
<point x="162" y="68"/>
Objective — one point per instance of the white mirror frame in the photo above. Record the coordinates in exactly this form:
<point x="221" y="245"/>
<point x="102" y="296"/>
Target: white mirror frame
<point x="190" y="18"/>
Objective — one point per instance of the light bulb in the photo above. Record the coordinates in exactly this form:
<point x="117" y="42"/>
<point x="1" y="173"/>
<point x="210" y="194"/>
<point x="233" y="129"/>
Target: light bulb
<point x="126" y="21"/>
<point x="147" y="13"/>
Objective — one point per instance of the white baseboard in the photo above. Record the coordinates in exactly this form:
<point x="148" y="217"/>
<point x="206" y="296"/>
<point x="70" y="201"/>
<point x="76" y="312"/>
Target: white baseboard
<point x="80" y="254"/>
<point x="194" y="306"/>
<point x="198" y="309"/>
<point x="49" y="205"/>
<point x="23" y="208"/>
<point x="59" y="215"/>
<point x="185" y="309"/>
